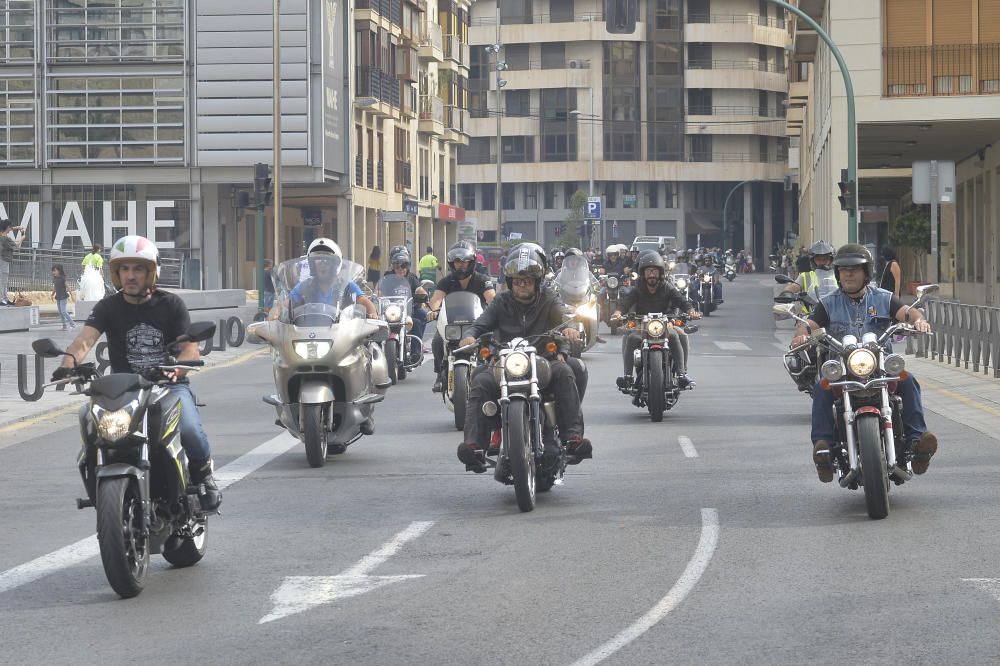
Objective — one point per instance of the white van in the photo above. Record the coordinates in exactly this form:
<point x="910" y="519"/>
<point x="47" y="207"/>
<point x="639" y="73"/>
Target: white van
<point x="662" y="244"/>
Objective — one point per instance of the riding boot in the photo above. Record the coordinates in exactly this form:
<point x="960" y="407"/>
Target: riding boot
<point x="209" y="494"/>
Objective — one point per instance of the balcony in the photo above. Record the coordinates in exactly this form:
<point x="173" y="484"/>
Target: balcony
<point x="455" y="122"/>
<point x="456" y="54"/>
<point x="431" y="47"/>
<point x="431" y="115"/>
<point x="923" y="71"/>
<point x="387" y="9"/>
<point x="798" y="93"/>
<point x="372" y="82"/>
<point x="537" y="28"/>
<point x="749" y="73"/>
<point x="584" y="17"/>
<point x="736" y="28"/>
<point x="569" y="74"/>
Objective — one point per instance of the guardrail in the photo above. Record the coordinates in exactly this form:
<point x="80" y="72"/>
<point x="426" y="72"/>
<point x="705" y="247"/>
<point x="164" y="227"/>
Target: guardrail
<point x="964" y="335"/>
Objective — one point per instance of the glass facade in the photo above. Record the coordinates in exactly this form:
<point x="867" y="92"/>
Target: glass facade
<point x="115" y="30"/>
<point x="17" y="121"/>
<point x="621" y="101"/>
<point x="17" y="31"/>
<point x="665" y="83"/>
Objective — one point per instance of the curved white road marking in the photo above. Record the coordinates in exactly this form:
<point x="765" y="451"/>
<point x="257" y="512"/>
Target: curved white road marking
<point x="692" y="573"/>
<point x="687" y="446"/>
<point x="84" y="549"/>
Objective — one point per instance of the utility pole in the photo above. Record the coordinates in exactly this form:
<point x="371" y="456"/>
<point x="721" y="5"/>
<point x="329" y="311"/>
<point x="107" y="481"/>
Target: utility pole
<point x="276" y="81"/>
<point x="501" y="65"/>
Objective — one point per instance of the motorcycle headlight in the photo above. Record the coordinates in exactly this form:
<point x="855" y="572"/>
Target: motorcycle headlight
<point x="453" y="332"/>
<point x="672" y="265"/>
<point x="113" y="425"/>
<point x="832" y="371"/>
<point x="516" y="365"/>
<point x="612" y="283"/>
<point x="587" y="310"/>
<point x="655" y="328"/>
<point x="393" y="314"/>
<point x="861" y="362"/>
<point x="682" y="283"/>
<point x="706" y="278"/>
<point x="894" y="364"/>
<point x="312" y="350"/>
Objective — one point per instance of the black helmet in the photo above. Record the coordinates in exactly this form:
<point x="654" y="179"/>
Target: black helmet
<point x="853" y="254"/>
<point x="461" y="251"/>
<point x="399" y="257"/>
<point x="650" y="259"/>
<point x="525" y="260"/>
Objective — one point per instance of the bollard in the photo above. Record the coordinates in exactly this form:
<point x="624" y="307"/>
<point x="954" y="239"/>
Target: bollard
<point x="22" y="377"/>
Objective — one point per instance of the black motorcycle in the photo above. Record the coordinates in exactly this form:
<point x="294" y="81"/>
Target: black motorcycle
<point x="656" y="385"/>
<point x="801" y="362"/>
<point x="612" y="291"/>
<point x="134" y="468"/>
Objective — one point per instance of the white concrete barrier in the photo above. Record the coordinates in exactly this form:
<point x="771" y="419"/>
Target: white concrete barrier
<point x="18" y="319"/>
<point x="215" y="299"/>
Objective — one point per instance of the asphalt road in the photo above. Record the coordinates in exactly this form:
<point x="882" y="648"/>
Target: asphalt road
<point x="702" y="539"/>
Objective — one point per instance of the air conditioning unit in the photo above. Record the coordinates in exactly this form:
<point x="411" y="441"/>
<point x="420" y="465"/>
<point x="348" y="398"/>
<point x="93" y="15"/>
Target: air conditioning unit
<point x="578" y="64"/>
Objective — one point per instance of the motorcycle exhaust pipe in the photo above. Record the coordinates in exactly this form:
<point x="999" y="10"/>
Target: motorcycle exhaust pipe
<point x="550" y="411"/>
<point x="490" y="408"/>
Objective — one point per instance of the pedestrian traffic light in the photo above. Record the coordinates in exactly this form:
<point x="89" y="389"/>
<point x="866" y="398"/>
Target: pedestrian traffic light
<point x="848" y="192"/>
<point x="262" y="183"/>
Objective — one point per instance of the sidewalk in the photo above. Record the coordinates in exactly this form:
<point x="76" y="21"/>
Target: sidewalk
<point x="14" y="411"/>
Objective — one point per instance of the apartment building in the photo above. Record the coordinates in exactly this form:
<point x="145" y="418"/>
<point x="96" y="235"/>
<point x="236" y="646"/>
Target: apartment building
<point x="411" y="69"/>
<point x="926" y="77"/>
<point x="669" y="119"/>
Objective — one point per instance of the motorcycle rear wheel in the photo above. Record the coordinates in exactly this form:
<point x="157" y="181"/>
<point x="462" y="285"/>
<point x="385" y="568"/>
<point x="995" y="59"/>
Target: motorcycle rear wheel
<point x="124" y="548"/>
<point x="314" y="434"/>
<point x="189" y="553"/>
<point x="460" y="396"/>
<point x="392" y="358"/>
<point x="874" y="474"/>
<point x="522" y="457"/>
<point x="655" y="400"/>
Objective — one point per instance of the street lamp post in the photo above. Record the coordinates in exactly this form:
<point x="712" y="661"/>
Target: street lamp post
<point x="501" y="66"/>
<point x="725" y="213"/>
<point x="593" y="121"/>
<point x="276" y="129"/>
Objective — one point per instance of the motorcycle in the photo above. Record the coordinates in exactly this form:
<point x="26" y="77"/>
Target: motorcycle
<point x="612" y="290"/>
<point x="730" y="269"/>
<point x="577" y="290"/>
<point x="134" y="469"/>
<point x="329" y="368"/>
<point x="656" y="387"/>
<point x="527" y="414"/>
<point x="705" y="280"/>
<point x="682" y="282"/>
<point x="403" y="352"/>
<point x="458" y="311"/>
<point x="863" y="374"/>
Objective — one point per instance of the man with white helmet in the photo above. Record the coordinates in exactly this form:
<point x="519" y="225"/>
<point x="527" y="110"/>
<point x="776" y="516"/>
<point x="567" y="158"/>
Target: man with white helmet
<point x="140" y="321"/>
<point x="325" y="259"/>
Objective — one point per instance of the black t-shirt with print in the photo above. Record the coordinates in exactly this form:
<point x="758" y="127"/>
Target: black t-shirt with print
<point x="478" y="284"/>
<point x="138" y="335"/>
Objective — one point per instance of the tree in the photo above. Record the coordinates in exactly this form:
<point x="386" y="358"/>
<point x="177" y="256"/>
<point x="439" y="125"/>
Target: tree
<point x="577" y="204"/>
<point x="912" y="230"/>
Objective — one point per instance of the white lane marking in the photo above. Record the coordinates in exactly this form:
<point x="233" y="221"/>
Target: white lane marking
<point x="692" y="573"/>
<point x="729" y="345"/>
<point x="989" y="585"/>
<point x="84" y="549"/>
<point x="300" y="593"/>
<point x="687" y="446"/>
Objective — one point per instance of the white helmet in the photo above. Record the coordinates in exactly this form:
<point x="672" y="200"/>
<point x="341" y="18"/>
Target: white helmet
<point x="622" y="248"/>
<point x="612" y="249"/>
<point x="324" y="245"/>
<point x="135" y="249"/>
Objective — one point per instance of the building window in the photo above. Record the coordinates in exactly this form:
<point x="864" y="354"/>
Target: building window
<point x="489" y="196"/>
<point x="763" y="148"/>
<point x="116" y="31"/>
<point x="549" y="195"/>
<point x="701" y="148"/>
<point x="17" y="34"/>
<point x="468" y="197"/>
<point x="518" y="149"/>
<point x="667" y="14"/>
<point x="17" y="121"/>
<point x="531" y="196"/>
<point x="516" y="56"/>
<point x="670" y="195"/>
<point x="610" y="201"/>
<point x="518" y="103"/>
<point x="508" y="196"/>
<point x="554" y="55"/>
<point x="652" y="194"/>
<point x="558" y="129"/>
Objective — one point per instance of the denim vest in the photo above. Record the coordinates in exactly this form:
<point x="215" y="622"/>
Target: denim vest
<point x="850" y="318"/>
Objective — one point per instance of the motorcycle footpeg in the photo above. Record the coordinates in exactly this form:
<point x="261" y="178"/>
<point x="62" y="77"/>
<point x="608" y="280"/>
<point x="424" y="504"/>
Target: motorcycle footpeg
<point x="849" y="478"/>
<point x="84" y="503"/>
<point x="899" y="475"/>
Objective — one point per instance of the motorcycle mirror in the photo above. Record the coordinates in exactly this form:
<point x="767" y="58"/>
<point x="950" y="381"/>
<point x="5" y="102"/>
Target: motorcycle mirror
<point x="253" y="332"/>
<point x="783" y="279"/>
<point x="786" y="297"/>
<point x="46" y="348"/>
<point x="691" y="328"/>
<point x="927" y="290"/>
<point x="199" y="331"/>
<point x="782" y="310"/>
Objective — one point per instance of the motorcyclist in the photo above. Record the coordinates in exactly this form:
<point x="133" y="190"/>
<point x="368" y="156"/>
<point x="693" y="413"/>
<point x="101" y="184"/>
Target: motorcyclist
<point x="324" y="258"/>
<point x="855" y="308"/>
<point x="523" y="310"/>
<point x="556" y="259"/>
<point x="614" y="263"/>
<point x="821" y="280"/>
<point x="140" y="321"/>
<point x="655" y="294"/>
<point x="399" y="264"/>
<point x="708" y="266"/>
<point x="632" y="261"/>
<point x="463" y="277"/>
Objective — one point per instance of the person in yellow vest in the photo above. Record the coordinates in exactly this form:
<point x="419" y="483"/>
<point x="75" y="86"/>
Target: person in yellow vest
<point x="428" y="267"/>
<point x="94" y="259"/>
<point x="92" y="280"/>
<point x="821" y="280"/>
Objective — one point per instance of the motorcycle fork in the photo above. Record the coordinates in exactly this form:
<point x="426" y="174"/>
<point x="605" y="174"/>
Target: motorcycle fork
<point x="888" y="433"/>
<point x="849" y="439"/>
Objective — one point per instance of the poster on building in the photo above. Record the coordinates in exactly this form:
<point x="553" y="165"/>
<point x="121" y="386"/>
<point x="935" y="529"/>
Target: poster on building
<point x="334" y="104"/>
<point x="466" y="230"/>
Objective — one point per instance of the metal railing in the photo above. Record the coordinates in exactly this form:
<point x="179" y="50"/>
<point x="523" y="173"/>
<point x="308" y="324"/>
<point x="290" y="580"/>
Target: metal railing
<point x="454" y="118"/>
<point x="726" y="110"/>
<point x="748" y="64"/>
<point x="583" y="17"/>
<point x="702" y="156"/>
<point x="31" y="269"/>
<point x="751" y="19"/>
<point x="431" y="108"/>
<point x="964" y="335"/>
<point x="372" y="82"/>
<point x="455" y="49"/>
<point x="431" y="36"/>
<point x="954" y="69"/>
<point x="571" y="63"/>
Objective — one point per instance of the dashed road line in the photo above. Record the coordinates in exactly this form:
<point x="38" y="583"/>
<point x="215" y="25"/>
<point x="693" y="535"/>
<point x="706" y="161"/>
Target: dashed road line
<point x="730" y="345"/>
<point x="687" y="446"/>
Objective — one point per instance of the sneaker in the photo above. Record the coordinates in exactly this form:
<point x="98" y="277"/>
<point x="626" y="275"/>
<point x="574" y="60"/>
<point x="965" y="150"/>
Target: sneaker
<point x="923" y="450"/>
<point x="469" y="454"/>
<point x="577" y="449"/>
<point x="821" y="457"/>
<point x="685" y="382"/>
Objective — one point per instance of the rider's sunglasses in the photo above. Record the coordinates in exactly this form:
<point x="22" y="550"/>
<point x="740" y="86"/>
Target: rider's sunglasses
<point x="522" y="281"/>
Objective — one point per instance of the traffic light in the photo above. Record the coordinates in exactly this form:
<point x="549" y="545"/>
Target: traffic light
<point x="848" y="192"/>
<point x="262" y="184"/>
<point x="620" y="16"/>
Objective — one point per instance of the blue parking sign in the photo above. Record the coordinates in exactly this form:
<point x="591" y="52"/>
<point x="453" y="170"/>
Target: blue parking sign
<point x="593" y="209"/>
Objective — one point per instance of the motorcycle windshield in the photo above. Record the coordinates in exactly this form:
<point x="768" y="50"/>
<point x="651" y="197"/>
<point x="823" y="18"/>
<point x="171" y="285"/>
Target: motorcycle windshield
<point x="395" y="287"/>
<point x="574" y="279"/>
<point x="314" y="291"/>
<point x="826" y="286"/>
<point x="461" y="307"/>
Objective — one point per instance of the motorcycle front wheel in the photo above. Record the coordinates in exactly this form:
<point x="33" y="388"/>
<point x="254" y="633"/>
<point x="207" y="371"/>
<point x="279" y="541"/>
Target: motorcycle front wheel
<point x="522" y="457"/>
<point x="314" y="434"/>
<point x="120" y="533"/>
<point x="874" y="474"/>
<point x="392" y="358"/>
<point x="459" y="396"/>
<point x="655" y="401"/>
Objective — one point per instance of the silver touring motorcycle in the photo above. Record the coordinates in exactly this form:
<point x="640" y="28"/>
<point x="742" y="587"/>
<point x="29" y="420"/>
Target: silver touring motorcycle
<point x="329" y="368"/>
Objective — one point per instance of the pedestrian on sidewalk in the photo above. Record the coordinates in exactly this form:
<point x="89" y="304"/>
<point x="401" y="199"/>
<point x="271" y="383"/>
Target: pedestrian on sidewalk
<point x="268" y="294"/>
<point x="8" y="243"/>
<point x="374" y="266"/>
<point x="61" y="295"/>
<point x="890" y="277"/>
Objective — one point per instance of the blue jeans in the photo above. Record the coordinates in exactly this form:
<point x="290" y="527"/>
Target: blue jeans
<point x="193" y="437"/>
<point x="824" y="422"/>
<point x="419" y="324"/>
<point x="64" y="313"/>
<point x="268" y="300"/>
